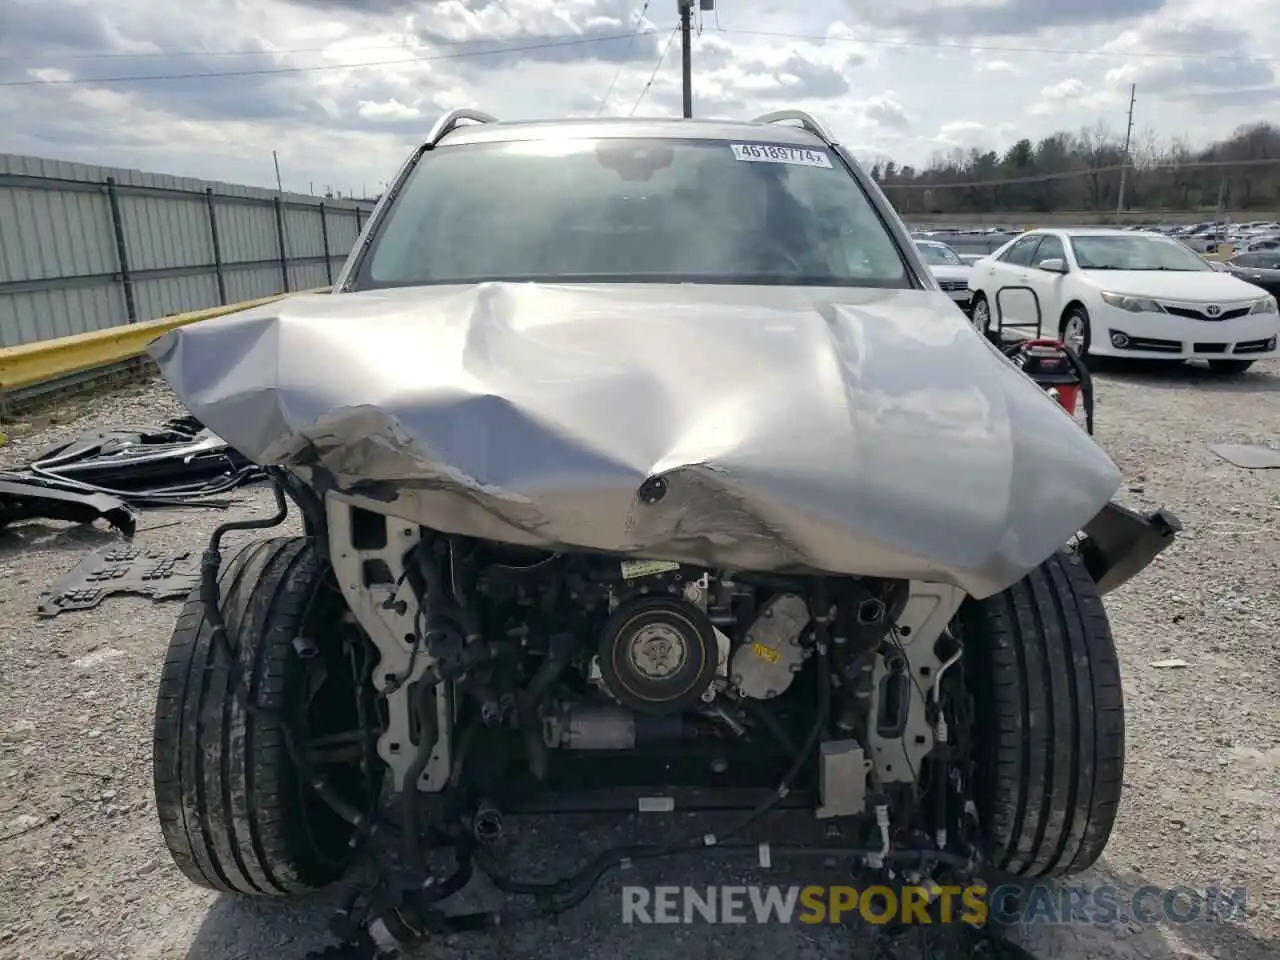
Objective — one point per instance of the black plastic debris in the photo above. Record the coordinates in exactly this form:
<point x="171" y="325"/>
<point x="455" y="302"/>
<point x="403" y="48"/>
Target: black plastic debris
<point x="177" y="463"/>
<point x="177" y="459"/>
<point x="27" y="499"/>
<point x="117" y="569"/>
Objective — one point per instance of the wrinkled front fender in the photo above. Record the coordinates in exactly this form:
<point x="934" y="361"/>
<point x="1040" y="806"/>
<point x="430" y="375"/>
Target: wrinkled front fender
<point x="1120" y="543"/>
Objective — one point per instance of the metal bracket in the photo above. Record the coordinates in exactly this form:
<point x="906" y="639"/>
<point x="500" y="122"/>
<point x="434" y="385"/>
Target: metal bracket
<point x="805" y="120"/>
<point x="899" y="755"/>
<point x="452" y="120"/>
<point x="387" y="611"/>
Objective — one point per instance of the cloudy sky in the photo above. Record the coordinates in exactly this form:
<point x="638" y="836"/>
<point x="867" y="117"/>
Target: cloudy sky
<point x="342" y="88"/>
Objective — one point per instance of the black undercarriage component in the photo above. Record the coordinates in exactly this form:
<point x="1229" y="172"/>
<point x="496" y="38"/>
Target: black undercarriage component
<point x="1120" y="543"/>
<point x="120" y="569"/>
<point x="29" y="499"/>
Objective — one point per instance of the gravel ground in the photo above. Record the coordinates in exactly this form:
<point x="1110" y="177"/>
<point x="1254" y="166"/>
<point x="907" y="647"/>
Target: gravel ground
<point x="84" y="873"/>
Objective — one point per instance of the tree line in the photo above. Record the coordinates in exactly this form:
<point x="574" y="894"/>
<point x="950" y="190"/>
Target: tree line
<point x="1082" y="172"/>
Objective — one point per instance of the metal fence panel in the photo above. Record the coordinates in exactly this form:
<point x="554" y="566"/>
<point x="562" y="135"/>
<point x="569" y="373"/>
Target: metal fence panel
<point x="343" y="232"/>
<point x="307" y="276"/>
<point x="162" y="233"/>
<point x="166" y="296"/>
<point x="85" y="248"/>
<point x="45" y="234"/>
<point x="251" y="283"/>
<point x="48" y="314"/>
<point x="302" y="228"/>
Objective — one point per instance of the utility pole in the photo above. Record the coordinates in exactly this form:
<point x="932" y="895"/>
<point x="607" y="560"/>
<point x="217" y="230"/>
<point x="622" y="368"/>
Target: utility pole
<point x="686" y="53"/>
<point x="275" y="158"/>
<point x="1128" y="133"/>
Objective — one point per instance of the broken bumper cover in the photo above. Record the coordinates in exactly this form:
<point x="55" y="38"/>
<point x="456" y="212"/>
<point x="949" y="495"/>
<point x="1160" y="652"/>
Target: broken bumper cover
<point x="24" y="499"/>
<point x="1120" y="543"/>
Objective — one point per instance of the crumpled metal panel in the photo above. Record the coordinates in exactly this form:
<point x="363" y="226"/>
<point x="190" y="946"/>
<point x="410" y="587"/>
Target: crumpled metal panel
<point x="851" y="431"/>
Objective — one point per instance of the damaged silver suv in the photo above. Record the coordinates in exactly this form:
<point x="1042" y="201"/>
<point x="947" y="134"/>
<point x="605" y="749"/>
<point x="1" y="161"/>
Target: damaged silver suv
<point x="642" y="466"/>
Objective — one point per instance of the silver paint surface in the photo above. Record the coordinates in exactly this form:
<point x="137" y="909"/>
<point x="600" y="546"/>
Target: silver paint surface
<point x="849" y="431"/>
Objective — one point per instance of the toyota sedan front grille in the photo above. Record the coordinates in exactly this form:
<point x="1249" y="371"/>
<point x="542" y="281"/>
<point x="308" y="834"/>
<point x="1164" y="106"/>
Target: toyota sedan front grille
<point x="1191" y="313"/>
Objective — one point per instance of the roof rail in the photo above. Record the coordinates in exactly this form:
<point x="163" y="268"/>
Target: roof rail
<point x="805" y="120"/>
<point x="451" y="121"/>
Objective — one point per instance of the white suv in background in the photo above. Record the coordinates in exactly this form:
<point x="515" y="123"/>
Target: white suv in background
<point x="1118" y="293"/>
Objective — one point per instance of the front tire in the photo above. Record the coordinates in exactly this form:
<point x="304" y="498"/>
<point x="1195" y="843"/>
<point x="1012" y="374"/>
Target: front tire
<point x="234" y="812"/>
<point x="980" y="314"/>
<point x="1076" y="331"/>
<point x="1048" y="720"/>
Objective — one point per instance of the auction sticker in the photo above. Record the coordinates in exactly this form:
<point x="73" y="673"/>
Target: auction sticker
<point x="780" y="153"/>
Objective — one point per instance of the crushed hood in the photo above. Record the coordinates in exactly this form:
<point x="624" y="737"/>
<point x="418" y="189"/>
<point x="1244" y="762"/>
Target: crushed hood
<point x="850" y="431"/>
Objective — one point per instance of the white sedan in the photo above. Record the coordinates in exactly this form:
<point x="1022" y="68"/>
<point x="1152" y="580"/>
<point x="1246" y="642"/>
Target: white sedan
<point x="948" y="268"/>
<point x="1117" y="293"/>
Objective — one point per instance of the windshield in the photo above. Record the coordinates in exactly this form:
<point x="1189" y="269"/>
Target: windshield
<point x="1105" y="252"/>
<point x="939" y="255"/>
<point x="632" y="210"/>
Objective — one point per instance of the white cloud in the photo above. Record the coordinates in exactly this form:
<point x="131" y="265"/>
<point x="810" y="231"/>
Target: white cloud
<point x="886" y="111"/>
<point x="356" y="82"/>
<point x="1067" y="89"/>
<point x="997" y="67"/>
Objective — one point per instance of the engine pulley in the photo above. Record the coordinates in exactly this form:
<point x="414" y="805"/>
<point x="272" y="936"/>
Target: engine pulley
<point x="658" y="654"/>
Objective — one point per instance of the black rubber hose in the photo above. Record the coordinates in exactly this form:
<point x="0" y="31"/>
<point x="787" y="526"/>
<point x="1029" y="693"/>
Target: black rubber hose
<point x="428" y="734"/>
<point x="211" y="561"/>
<point x="1086" y="388"/>
<point x="560" y="653"/>
<point x="762" y="713"/>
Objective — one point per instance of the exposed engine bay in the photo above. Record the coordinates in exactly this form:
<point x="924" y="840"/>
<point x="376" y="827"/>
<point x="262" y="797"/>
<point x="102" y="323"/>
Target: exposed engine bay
<point x="517" y="681"/>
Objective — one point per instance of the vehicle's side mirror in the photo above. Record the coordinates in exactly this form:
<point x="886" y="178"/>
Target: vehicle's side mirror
<point x="1220" y="267"/>
<point x="1053" y="265"/>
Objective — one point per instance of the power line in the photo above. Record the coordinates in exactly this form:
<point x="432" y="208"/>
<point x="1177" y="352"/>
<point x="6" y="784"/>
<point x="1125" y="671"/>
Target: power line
<point x="274" y="71"/>
<point x="774" y="34"/>
<point x="604" y="101"/>
<point x="656" y="67"/>
<point x="989" y="48"/>
<point x="176" y="54"/>
<point x="1085" y="172"/>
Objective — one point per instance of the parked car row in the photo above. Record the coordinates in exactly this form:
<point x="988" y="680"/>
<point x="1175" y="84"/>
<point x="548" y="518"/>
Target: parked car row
<point x="1261" y="268"/>
<point x="1121" y="293"/>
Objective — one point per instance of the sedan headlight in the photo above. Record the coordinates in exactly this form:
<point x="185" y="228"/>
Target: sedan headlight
<point x="1132" y="304"/>
<point x="1265" y="305"/>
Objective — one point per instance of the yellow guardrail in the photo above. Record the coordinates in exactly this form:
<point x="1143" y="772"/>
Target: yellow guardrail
<point x="45" y="360"/>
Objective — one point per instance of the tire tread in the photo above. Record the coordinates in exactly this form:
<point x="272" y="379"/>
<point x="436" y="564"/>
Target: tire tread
<point x="226" y="792"/>
<point x="1049" y="737"/>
